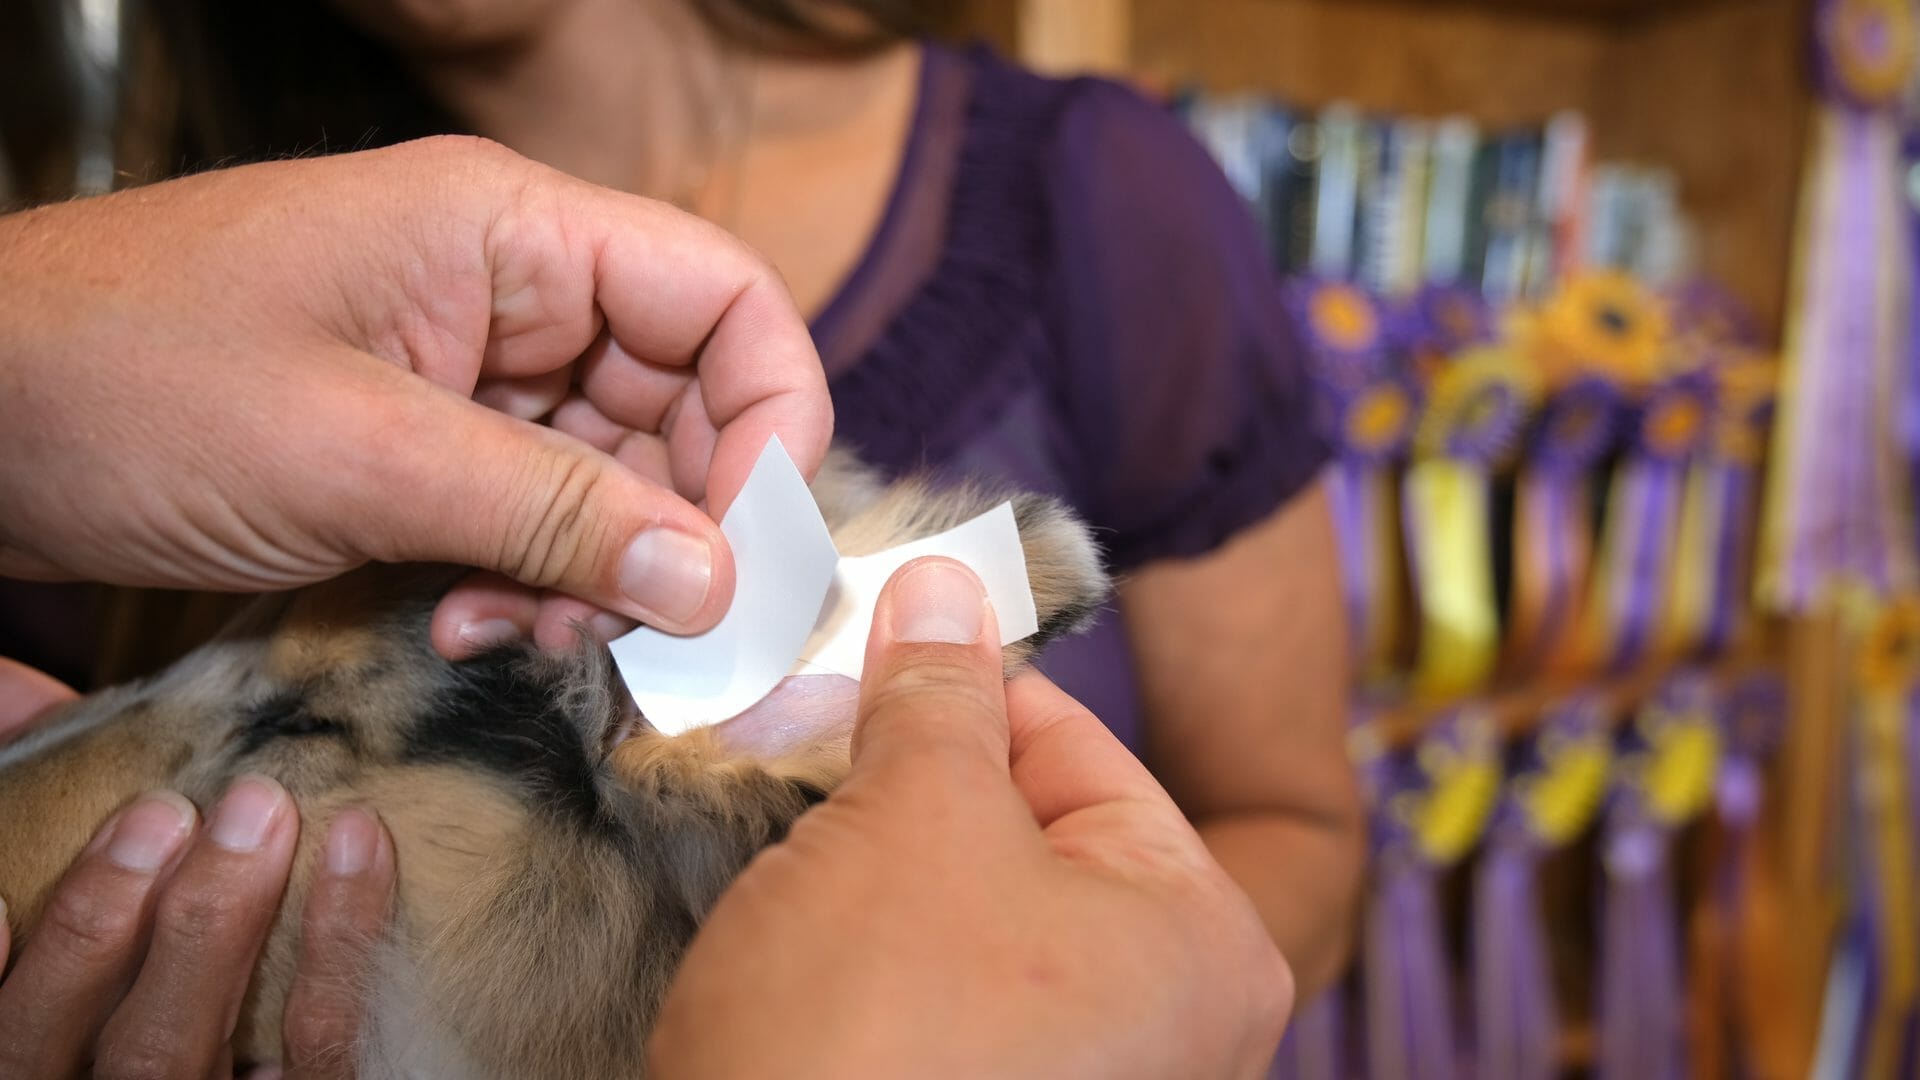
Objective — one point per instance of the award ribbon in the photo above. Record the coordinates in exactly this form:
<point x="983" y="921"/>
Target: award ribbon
<point x="1367" y="414"/>
<point x="1638" y="543"/>
<point x="1553" y="523"/>
<point x="1476" y="408"/>
<point x="1665" y="778"/>
<point x="1550" y="800"/>
<point x="1371" y="429"/>
<point x="1712" y="606"/>
<point x="1836" y="509"/>
<point x="1430" y="806"/>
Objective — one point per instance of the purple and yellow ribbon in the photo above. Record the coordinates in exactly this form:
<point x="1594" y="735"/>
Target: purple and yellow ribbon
<point x="1550" y="800"/>
<point x="1668" y="766"/>
<point x="1430" y="806"/>
<point x="1639" y="542"/>
<point x="1371" y="427"/>
<point x="1477" y="407"/>
<point x="1553" y="523"/>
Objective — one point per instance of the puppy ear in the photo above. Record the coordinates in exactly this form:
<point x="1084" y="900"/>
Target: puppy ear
<point x="1064" y="569"/>
<point x="1063" y="562"/>
<point x="844" y="487"/>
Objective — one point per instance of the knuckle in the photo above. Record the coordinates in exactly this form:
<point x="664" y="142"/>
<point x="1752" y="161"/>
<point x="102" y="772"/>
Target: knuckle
<point x="557" y="528"/>
<point x="91" y="925"/>
<point x="318" y="1027"/>
<point x="951" y="683"/>
<point x="149" y="1052"/>
<point x="201" y="914"/>
<point x="477" y="150"/>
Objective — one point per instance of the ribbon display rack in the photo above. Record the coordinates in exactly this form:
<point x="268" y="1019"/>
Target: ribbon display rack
<point x="1585" y="549"/>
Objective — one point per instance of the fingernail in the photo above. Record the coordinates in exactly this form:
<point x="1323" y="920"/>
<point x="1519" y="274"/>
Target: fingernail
<point x="668" y="572"/>
<point x="606" y="626"/>
<point x="241" y="821"/>
<point x="350" y="842"/>
<point x="487" y="633"/>
<point x="150" y="831"/>
<point x="938" y="601"/>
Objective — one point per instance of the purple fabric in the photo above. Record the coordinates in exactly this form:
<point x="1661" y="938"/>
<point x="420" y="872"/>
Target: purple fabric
<point x="1090" y="316"/>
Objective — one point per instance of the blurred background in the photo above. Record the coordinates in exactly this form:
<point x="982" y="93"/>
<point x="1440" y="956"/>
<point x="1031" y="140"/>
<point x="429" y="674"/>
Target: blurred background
<point x="1607" y="305"/>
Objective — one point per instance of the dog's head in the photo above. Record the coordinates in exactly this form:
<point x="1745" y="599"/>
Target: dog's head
<point x="555" y="854"/>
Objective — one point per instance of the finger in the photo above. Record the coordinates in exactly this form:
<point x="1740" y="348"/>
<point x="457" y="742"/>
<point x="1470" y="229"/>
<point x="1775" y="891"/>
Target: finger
<point x="528" y="399"/>
<point x="1064" y="759"/>
<point x="562" y="619"/>
<point x="345" y="917"/>
<point x="486" y="490"/>
<point x="675" y="291"/>
<point x="482" y="612"/>
<point x="931" y="697"/>
<point x="208" y="925"/>
<point x="25" y="694"/>
<point x="88" y="941"/>
<point x="644" y="452"/>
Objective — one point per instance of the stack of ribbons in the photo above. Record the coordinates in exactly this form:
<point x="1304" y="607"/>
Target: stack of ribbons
<point x="1839" y="537"/>
<point x="1546" y="515"/>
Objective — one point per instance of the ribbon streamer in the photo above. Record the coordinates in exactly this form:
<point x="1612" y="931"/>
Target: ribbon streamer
<point x="1430" y="806"/>
<point x="1315" y="1044"/>
<point x="1666" y="779"/>
<point x="1410" y="1022"/>
<point x="1553" y="526"/>
<point x="1475" y="411"/>
<point x="1637" y="561"/>
<point x="1641" y="1001"/>
<point x="1550" y="801"/>
<point x="1837" y="511"/>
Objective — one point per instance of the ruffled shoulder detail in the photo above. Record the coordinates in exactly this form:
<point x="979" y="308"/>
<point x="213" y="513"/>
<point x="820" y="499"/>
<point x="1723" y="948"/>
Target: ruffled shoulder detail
<point x="956" y="352"/>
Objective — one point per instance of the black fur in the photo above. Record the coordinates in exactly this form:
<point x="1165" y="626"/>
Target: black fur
<point x="529" y="733"/>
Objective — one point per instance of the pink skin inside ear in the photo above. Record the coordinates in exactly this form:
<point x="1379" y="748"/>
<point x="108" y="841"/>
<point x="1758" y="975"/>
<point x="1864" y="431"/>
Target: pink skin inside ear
<point x="803" y="711"/>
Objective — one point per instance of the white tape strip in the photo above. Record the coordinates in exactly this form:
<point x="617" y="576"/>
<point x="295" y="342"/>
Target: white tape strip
<point x="799" y="608"/>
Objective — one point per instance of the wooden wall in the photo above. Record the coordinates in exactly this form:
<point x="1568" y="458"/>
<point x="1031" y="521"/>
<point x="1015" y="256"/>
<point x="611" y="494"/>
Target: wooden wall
<point x="1713" y="90"/>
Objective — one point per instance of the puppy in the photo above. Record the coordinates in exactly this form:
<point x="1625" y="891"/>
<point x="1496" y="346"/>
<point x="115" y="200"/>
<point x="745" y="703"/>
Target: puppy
<point x="555" y="854"/>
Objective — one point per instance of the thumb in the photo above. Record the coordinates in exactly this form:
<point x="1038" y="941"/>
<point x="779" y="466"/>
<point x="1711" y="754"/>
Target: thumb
<point x="931" y="697"/>
<point x="483" y="489"/>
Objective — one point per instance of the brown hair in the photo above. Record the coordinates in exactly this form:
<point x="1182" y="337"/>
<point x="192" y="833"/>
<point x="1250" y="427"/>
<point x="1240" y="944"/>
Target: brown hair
<point x="294" y="77"/>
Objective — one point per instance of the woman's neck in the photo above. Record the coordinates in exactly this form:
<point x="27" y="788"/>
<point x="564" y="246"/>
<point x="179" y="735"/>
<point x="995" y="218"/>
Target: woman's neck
<point x="640" y="95"/>
<point x="620" y="92"/>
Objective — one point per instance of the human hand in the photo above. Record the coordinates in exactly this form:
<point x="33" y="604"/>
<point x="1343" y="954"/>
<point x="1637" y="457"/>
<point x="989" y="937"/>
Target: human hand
<point x="139" y="962"/>
<point x="998" y="889"/>
<point x="261" y="377"/>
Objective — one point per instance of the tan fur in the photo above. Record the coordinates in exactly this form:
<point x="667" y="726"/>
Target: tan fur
<point x="551" y="870"/>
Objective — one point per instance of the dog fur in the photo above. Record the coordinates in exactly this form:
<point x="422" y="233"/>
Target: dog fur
<point x="555" y="856"/>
